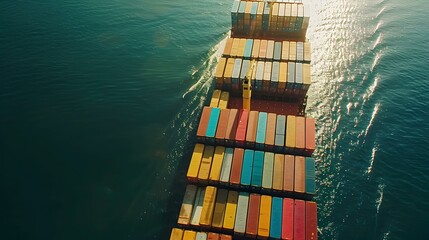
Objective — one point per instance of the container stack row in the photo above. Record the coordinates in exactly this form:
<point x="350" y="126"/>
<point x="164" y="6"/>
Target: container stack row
<point x="256" y="171"/>
<point x="265" y="50"/>
<point x="219" y="99"/>
<point x="257" y="130"/>
<point x="268" y="19"/>
<point x="269" y="78"/>
<point x="181" y="234"/>
<point x="250" y="215"/>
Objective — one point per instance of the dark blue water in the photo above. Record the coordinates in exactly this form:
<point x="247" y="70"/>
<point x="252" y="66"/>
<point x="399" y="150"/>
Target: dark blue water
<point x="99" y="102"/>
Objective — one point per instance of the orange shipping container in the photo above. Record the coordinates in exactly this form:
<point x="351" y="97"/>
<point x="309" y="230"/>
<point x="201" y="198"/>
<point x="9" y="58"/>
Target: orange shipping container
<point x="299" y="174"/>
<point x="271" y="129"/>
<point x="279" y="160"/>
<point x="228" y="46"/>
<point x="310" y="135"/>
<point x="289" y="173"/>
<point x="300" y="133"/>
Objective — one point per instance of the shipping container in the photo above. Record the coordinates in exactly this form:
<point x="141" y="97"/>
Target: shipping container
<point x="282" y="77"/>
<point x="259" y="75"/>
<point x="310" y="221"/>
<point x="290" y="75"/>
<point x="253" y="215"/>
<point x="241" y="46"/>
<point x="226" y="166"/>
<point x="244" y="69"/>
<point x="221" y="127"/>
<point x="300" y="51"/>
<point x="231" y="128"/>
<point x="231" y="207"/>
<point x="212" y="125"/>
<point x="228" y="46"/>
<point x="206" y="162"/>
<point x="219" y="210"/>
<point x="246" y="171"/>
<point x="285" y="50"/>
<point x="176" y="234"/>
<point x="241" y="216"/>
<point x="251" y="129"/>
<point x="248" y="49"/>
<point x="228" y="72"/>
<point x="306" y="76"/>
<point x="255" y="48"/>
<point x="202" y="126"/>
<point x="271" y="131"/>
<point x="264" y="217"/>
<point x="240" y="135"/>
<point x="194" y="165"/>
<point x="201" y="236"/>
<point x="290" y="133"/>
<point x="198" y="206"/>
<point x="310" y="184"/>
<point x="267" y="175"/>
<point x="214" y="102"/>
<point x="261" y="130"/>
<point x="279" y="141"/>
<point x="292" y="51"/>
<point x="307" y="52"/>
<point x="277" y="50"/>
<point x="216" y="168"/>
<point x="237" y="165"/>
<point x="270" y="49"/>
<point x="208" y="206"/>
<point x="310" y="136"/>
<point x="189" y="235"/>
<point x="299" y="174"/>
<point x="258" y="164"/>
<point x="213" y="236"/>
<point x="234" y="47"/>
<point x="279" y="160"/>
<point x="289" y="173"/>
<point x="298" y="76"/>
<point x="225" y="237"/>
<point x="300" y="134"/>
<point x="224" y="99"/>
<point x="267" y="76"/>
<point x="236" y="73"/>
<point x="299" y="220"/>
<point x="288" y="218"/>
<point x="187" y="205"/>
<point x="220" y="69"/>
<point x="263" y="49"/>
<point x="276" y="218"/>
<point x="275" y="76"/>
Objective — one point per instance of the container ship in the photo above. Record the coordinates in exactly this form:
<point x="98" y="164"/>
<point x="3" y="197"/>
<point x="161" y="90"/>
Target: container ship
<point x="251" y="174"/>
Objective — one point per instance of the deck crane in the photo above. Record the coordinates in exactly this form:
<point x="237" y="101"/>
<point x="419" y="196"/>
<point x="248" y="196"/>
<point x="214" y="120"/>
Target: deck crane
<point x="247" y="86"/>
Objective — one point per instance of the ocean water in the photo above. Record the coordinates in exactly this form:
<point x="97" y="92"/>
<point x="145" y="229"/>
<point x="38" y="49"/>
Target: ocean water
<point x="99" y="102"/>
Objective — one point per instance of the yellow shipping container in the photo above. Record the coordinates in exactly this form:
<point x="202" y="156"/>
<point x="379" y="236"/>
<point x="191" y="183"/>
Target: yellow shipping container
<point x="231" y="208"/>
<point x="306" y="72"/>
<point x="176" y="234"/>
<point x="307" y="52"/>
<point x="187" y="205"/>
<point x="278" y="172"/>
<point x="189" y="235"/>
<point x="217" y="164"/>
<point x="285" y="50"/>
<point x="282" y="76"/>
<point x="263" y="49"/>
<point x="219" y="210"/>
<point x="228" y="46"/>
<point x="292" y="51"/>
<point x="290" y="132"/>
<point x="208" y="206"/>
<point x="234" y="48"/>
<point x="214" y="102"/>
<point x="264" y="216"/>
<point x="241" y="47"/>
<point x="206" y="163"/>
<point x="194" y="165"/>
<point x="220" y="71"/>
<point x="255" y="48"/>
<point x="223" y="101"/>
<point x="228" y="70"/>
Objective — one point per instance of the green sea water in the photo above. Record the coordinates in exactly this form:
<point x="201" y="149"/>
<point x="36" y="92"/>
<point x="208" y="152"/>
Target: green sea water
<point x="99" y="102"/>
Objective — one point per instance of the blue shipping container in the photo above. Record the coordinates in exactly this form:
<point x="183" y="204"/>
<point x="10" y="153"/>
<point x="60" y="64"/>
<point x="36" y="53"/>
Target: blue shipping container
<point x="290" y="75"/>
<point x="212" y="125"/>
<point x="244" y="68"/>
<point x="246" y="170"/>
<point x="248" y="48"/>
<point x="310" y="184"/>
<point x="258" y="164"/>
<point x="276" y="218"/>
<point x="277" y="50"/>
<point x="262" y="127"/>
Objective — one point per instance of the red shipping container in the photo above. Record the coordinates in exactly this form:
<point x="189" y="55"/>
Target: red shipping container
<point x="289" y="173"/>
<point x="213" y="236"/>
<point x="222" y="124"/>
<point x="253" y="215"/>
<point x="310" y="136"/>
<point x="204" y="120"/>
<point x="225" y="237"/>
<point x="237" y="163"/>
<point x="287" y="218"/>
<point x="299" y="220"/>
<point x="311" y="221"/>
<point x="240" y="135"/>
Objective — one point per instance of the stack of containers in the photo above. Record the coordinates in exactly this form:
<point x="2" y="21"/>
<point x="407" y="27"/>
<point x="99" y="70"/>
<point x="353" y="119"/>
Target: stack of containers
<point x="257" y="130"/>
<point x="182" y="234"/>
<point x="269" y="19"/>
<point x="259" y="171"/>
<point x="248" y="214"/>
